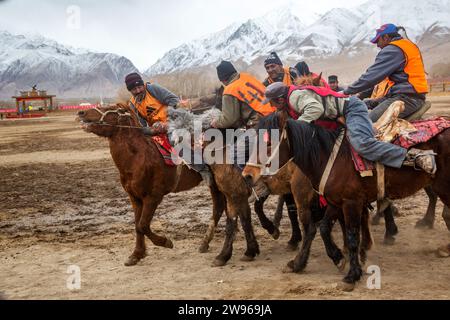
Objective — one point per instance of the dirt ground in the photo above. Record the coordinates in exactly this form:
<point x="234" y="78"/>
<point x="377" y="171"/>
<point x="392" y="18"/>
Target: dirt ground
<point x="61" y="204"/>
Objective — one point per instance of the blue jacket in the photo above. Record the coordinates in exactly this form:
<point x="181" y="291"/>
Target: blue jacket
<point x="390" y="62"/>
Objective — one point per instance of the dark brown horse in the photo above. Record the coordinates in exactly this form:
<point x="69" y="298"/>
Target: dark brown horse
<point x="311" y="146"/>
<point x="143" y="173"/>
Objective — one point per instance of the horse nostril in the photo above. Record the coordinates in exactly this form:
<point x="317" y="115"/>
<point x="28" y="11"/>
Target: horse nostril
<point x="248" y="180"/>
<point x="81" y="113"/>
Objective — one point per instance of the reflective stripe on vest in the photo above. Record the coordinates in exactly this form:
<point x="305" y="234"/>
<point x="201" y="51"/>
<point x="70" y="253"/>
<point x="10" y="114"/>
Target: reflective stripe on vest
<point x="414" y="67"/>
<point x="321" y="91"/>
<point x="286" y="78"/>
<point x="382" y="89"/>
<point x="151" y="108"/>
<point x="250" y="91"/>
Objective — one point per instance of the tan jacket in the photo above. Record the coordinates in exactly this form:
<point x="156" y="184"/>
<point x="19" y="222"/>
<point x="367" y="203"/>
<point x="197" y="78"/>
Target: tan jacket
<point x="310" y="107"/>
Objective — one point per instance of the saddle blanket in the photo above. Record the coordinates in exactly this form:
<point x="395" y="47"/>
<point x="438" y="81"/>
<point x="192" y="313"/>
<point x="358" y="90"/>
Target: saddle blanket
<point x="425" y="130"/>
<point x="164" y="148"/>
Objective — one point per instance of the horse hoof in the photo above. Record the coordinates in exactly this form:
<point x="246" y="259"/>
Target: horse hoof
<point x="443" y="252"/>
<point x="341" y="264"/>
<point x="131" y="261"/>
<point x="247" y="258"/>
<point x="168" y="244"/>
<point x="345" y="286"/>
<point x="424" y="224"/>
<point x="219" y="263"/>
<point x="203" y="248"/>
<point x="289" y="268"/>
<point x="389" y="241"/>
<point x="292" y="247"/>
<point x="276" y="234"/>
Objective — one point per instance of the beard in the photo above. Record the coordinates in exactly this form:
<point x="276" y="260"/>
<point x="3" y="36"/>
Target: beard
<point x="140" y="97"/>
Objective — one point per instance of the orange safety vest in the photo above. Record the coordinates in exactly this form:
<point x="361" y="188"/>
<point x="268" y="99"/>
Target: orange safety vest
<point x="151" y="109"/>
<point x="286" y="79"/>
<point x="382" y="89"/>
<point x="249" y="90"/>
<point x="414" y="67"/>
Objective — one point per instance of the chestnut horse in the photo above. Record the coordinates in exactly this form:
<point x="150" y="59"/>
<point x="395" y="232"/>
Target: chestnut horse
<point x="310" y="146"/>
<point x="143" y="173"/>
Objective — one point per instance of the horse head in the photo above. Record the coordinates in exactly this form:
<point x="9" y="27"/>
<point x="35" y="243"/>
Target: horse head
<point x="310" y="80"/>
<point x="260" y="164"/>
<point x="105" y="121"/>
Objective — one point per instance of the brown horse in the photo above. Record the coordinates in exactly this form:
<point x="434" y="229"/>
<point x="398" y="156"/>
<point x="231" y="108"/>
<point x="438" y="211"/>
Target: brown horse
<point x="143" y="173"/>
<point x="290" y="179"/>
<point x="311" y="146"/>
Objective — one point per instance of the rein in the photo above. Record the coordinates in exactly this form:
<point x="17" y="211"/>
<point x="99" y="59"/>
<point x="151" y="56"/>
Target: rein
<point x="265" y="167"/>
<point x="104" y="114"/>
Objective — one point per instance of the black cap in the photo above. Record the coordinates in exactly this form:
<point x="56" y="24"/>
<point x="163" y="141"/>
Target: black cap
<point x="225" y="70"/>
<point x="333" y="78"/>
<point x="273" y="59"/>
<point x="133" y="80"/>
<point x="303" y="69"/>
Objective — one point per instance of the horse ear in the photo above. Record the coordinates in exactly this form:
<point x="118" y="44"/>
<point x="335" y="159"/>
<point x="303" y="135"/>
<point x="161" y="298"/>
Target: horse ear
<point x="317" y="80"/>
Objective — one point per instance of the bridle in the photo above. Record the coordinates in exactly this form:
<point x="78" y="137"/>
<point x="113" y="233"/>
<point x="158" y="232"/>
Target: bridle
<point x="265" y="167"/>
<point x="102" y="122"/>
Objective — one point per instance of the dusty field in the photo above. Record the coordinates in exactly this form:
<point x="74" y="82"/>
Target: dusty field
<point x="61" y="204"/>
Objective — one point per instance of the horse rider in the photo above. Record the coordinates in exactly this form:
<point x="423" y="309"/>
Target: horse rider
<point x="150" y="102"/>
<point x="324" y="104"/>
<point x="277" y="73"/>
<point x="334" y="83"/>
<point x="242" y="107"/>
<point x="303" y="71"/>
<point x="399" y="64"/>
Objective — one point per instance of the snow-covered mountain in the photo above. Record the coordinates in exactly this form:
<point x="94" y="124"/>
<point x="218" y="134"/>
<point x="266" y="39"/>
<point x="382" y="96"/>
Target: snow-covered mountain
<point x="339" y="31"/>
<point x="65" y="71"/>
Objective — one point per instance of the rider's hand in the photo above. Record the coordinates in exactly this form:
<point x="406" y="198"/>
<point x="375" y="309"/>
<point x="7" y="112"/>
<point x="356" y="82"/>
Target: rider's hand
<point x="159" y="127"/>
<point x="214" y="123"/>
<point x="147" y="131"/>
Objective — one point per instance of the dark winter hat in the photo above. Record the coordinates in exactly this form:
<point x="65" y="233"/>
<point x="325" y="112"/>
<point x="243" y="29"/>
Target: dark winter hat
<point x="225" y="70"/>
<point x="302" y="68"/>
<point x="333" y="78"/>
<point x="273" y="59"/>
<point x="133" y="80"/>
<point x="276" y="90"/>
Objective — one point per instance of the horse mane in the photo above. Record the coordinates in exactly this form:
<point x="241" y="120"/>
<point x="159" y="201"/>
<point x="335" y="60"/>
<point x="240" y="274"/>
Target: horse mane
<point x="307" y="141"/>
<point x="269" y="122"/>
<point x="310" y="80"/>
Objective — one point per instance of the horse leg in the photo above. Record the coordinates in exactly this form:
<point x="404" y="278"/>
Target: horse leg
<point x="139" y="250"/>
<point x="428" y="220"/>
<point x="366" y="241"/>
<point x="352" y="215"/>
<point x="446" y="216"/>
<point x="390" y="226"/>
<point x="296" y="235"/>
<point x="149" y="207"/>
<point x="309" y="227"/>
<point x="219" y="204"/>
<point x="333" y="251"/>
<point x="265" y="222"/>
<point x="245" y="215"/>
<point x="227" y="250"/>
<point x="279" y="212"/>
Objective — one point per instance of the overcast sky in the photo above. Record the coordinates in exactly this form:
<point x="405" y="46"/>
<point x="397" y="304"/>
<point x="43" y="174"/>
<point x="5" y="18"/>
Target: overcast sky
<point x="142" y="30"/>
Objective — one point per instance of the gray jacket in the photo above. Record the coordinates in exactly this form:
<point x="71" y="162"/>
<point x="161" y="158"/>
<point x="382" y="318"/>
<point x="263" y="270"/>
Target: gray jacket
<point x="390" y="62"/>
